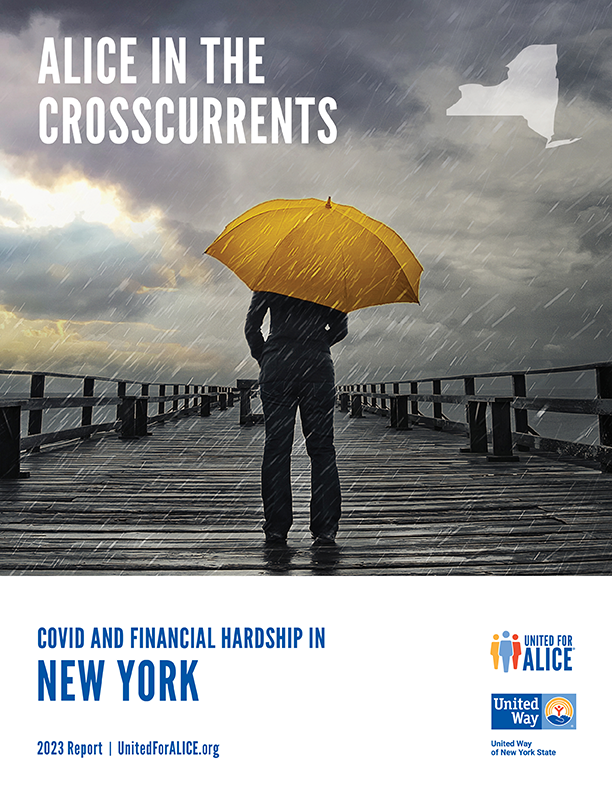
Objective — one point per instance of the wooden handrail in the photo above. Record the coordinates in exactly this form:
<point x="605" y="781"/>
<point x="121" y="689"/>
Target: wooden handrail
<point x="501" y="408"/>
<point x="513" y="373"/>
<point x="547" y="403"/>
<point x="132" y="419"/>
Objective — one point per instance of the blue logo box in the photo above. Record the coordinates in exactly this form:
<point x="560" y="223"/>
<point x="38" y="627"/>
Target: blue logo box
<point x="533" y="711"/>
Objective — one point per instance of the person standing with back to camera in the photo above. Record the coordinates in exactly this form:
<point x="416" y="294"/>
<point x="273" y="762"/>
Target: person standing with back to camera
<point x="297" y="371"/>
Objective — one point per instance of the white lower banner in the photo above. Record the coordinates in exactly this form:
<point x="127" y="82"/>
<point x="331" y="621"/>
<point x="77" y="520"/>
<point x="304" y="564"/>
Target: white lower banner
<point x="228" y="683"/>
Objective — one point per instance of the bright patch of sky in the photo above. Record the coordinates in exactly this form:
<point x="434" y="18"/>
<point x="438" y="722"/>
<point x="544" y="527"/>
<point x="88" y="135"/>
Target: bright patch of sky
<point x="68" y="201"/>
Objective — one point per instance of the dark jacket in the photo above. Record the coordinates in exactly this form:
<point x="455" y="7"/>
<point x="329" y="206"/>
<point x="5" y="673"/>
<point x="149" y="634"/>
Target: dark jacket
<point x="294" y="324"/>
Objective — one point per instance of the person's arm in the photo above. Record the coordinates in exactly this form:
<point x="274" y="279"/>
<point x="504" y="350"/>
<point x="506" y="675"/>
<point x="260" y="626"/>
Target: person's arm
<point x="338" y="328"/>
<point x="254" y="320"/>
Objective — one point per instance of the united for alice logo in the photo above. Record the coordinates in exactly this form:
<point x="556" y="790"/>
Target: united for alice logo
<point x="532" y="653"/>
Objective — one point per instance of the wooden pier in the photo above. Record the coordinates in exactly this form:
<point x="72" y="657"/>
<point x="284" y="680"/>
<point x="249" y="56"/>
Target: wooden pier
<point x="186" y="501"/>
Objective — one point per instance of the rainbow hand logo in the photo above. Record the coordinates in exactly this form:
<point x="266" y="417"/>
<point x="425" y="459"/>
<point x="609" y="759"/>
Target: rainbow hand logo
<point x="559" y="711"/>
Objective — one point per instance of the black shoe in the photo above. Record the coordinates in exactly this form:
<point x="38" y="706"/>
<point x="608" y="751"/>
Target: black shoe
<point x="323" y="540"/>
<point x="277" y="540"/>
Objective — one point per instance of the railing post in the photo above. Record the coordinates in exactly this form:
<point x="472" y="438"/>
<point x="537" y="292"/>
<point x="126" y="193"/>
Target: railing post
<point x="212" y="394"/>
<point x="414" y="403"/>
<point x="121" y="389"/>
<point x="373" y="401"/>
<point x="604" y="391"/>
<point x="502" y="431"/>
<point x="204" y="404"/>
<point x="142" y="411"/>
<point x="403" y="421"/>
<point x="222" y="401"/>
<point x="37" y="391"/>
<point x="437" y="406"/>
<point x="393" y="415"/>
<point x="88" y="391"/>
<point x="521" y="417"/>
<point x="344" y="401"/>
<point x="141" y="417"/>
<point x="10" y="431"/>
<point x="245" y="387"/>
<point x="245" y="401"/>
<point x="175" y="403"/>
<point x="356" y="406"/>
<point x="127" y="417"/>
<point x="476" y="416"/>
<point x="230" y="397"/>
<point x="383" y="389"/>
<point x="161" y="407"/>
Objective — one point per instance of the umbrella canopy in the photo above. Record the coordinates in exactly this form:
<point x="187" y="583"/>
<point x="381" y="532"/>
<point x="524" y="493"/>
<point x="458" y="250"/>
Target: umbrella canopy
<point x="326" y="253"/>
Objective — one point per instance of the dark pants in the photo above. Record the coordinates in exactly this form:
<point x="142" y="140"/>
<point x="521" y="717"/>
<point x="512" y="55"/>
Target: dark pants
<point x="289" y="380"/>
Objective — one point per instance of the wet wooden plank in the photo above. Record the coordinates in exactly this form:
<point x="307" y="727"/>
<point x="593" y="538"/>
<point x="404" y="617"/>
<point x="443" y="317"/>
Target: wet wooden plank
<point x="186" y="501"/>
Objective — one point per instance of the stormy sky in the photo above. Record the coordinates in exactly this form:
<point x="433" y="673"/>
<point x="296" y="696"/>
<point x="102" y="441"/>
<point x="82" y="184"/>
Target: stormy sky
<point x="101" y="245"/>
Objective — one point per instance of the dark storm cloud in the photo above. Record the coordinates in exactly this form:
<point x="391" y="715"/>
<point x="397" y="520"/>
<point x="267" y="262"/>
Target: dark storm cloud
<point x="41" y="296"/>
<point x="81" y="15"/>
<point x="584" y="70"/>
<point x="193" y="243"/>
<point x="441" y="274"/>
<point x="595" y="230"/>
<point x="369" y="97"/>
<point x="79" y="271"/>
<point x="479" y="39"/>
<point x="441" y="153"/>
<point x="590" y="217"/>
<point x="143" y="14"/>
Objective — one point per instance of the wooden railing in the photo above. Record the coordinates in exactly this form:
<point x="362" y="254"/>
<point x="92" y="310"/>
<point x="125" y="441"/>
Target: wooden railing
<point x="131" y="417"/>
<point x="488" y="417"/>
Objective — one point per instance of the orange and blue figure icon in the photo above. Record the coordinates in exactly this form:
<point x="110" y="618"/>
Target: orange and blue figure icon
<point x="495" y="651"/>
<point x="505" y="650"/>
<point x="516" y="650"/>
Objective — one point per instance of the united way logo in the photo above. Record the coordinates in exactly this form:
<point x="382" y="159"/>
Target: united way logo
<point x="511" y="711"/>
<point x="506" y="650"/>
<point x="559" y="711"/>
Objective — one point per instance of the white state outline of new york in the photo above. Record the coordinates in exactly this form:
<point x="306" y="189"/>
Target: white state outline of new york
<point x="531" y="91"/>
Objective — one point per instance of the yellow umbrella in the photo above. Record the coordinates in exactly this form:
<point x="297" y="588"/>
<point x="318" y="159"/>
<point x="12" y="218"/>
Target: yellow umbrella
<point x="326" y="253"/>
